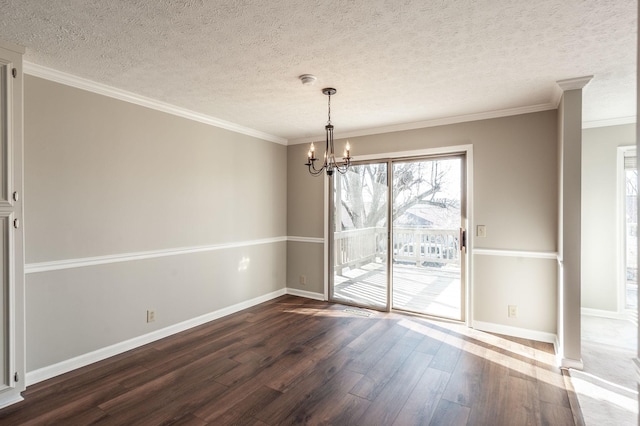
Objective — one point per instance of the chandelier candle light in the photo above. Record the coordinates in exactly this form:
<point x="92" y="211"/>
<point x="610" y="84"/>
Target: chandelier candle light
<point x="329" y="164"/>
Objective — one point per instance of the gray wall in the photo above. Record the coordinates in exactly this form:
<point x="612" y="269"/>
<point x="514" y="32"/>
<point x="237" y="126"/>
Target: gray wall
<point x="515" y="195"/>
<point x="600" y="215"/>
<point x="108" y="178"/>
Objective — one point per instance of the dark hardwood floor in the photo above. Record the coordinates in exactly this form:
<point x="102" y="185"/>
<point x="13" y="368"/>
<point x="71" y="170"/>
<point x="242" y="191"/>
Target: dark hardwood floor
<point x="293" y="360"/>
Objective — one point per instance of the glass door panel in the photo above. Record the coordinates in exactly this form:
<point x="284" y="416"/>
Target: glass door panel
<point x="427" y="262"/>
<point x="359" y="240"/>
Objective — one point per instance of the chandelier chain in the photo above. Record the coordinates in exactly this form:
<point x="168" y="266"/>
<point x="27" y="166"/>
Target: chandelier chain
<point x="329" y="163"/>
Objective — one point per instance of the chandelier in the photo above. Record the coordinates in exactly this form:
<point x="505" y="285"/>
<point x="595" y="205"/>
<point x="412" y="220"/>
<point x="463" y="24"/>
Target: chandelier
<point x="329" y="164"/>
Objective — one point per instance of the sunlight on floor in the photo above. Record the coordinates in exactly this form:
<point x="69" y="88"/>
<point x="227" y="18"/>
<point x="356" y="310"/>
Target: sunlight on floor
<point x="606" y="388"/>
<point x="536" y="364"/>
<point x="594" y="388"/>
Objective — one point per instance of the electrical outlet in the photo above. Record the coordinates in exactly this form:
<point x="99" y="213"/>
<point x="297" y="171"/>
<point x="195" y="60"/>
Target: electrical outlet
<point x="303" y="280"/>
<point x="481" y="231"/>
<point x="151" y="315"/>
<point x="513" y="311"/>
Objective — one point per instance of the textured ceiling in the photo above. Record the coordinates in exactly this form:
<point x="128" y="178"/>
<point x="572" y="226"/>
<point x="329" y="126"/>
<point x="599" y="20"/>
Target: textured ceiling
<point x="392" y="61"/>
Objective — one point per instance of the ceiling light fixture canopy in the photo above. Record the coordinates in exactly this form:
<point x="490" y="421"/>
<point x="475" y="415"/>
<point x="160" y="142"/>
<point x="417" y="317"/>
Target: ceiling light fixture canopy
<point x="308" y="79"/>
<point x="329" y="164"/>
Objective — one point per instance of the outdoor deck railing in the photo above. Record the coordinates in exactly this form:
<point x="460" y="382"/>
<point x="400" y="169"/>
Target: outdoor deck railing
<point x="423" y="247"/>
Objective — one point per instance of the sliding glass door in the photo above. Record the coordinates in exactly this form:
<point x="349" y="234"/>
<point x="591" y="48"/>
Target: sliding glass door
<point x="360" y="212"/>
<point x="396" y="230"/>
<point x="427" y="222"/>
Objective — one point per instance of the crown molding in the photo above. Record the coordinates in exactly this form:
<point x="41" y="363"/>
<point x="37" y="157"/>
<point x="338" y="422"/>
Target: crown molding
<point x="609" y="122"/>
<point x="12" y="46"/>
<point x="436" y="122"/>
<point x="123" y="95"/>
<point x="574" y="83"/>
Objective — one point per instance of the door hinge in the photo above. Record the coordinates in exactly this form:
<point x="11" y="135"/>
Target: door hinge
<point x="14" y="72"/>
<point x="16" y="377"/>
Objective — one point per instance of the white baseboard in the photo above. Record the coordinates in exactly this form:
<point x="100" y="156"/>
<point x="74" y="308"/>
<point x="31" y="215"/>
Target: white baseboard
<point x="507" y="330"/>
<point x="10" y="401"/>
<point x="601" y="313"/>
<point x="307" y="294"/>
<point x="575" y="364"/>
<point x="44" y="373"/>
<point x="563" y="362"/>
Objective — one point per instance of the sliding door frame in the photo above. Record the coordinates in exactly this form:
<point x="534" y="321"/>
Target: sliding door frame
<point x="467" y="151"/>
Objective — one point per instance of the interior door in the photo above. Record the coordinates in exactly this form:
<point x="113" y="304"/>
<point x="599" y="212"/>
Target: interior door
<point x="359" y="236"/>
<point x="428" y="264"/>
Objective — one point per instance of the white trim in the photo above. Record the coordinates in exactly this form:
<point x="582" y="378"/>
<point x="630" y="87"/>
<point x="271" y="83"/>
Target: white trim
<point x="609" y="122"/>
<point x="562" y="362"/>
<point x="442" y="150"/>
<point x="305" y="294"/>
<point x="51" y="74"/>
<point x="436" y="122"/>
<point x="10" y="400"/>
<point x="621" y="232"/>
<point x="470" y="239"/>
<point x="601" y="313"/>
<point x="314" y="240"/>
<point x="516" y="253"/>
<point x="16" y="48"/>
<point x="55" y="265"/>
<point x="123" y="95"/>
<point x="574" y="83"/>
<point x="621" y="227"/>
<point x="576" y="364"/>
<point x="44" y="373"/>
<point x="523" y="333"/>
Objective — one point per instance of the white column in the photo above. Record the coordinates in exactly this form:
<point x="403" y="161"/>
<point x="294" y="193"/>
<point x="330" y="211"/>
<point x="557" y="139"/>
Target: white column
<point x="569" y="219"/>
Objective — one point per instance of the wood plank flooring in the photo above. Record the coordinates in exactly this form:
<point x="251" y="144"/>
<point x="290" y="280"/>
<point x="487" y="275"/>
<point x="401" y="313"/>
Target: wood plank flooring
<point x="299" y="361"/>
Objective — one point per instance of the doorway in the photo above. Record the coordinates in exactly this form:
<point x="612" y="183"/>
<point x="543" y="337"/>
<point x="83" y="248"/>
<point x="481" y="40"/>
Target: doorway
<point x="396" y="235"/>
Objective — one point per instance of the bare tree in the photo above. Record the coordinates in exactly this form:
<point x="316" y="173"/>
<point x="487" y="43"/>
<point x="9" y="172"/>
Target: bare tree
<point x="364" y="191"/>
